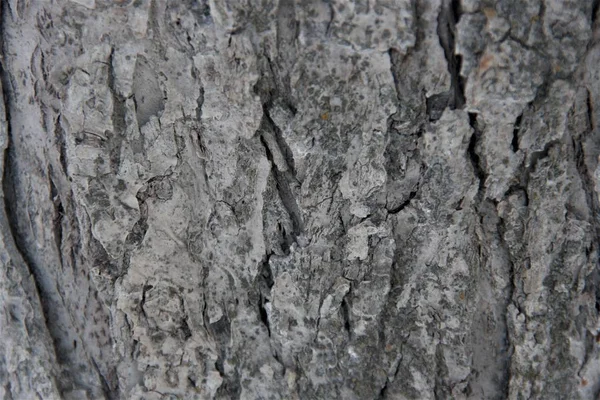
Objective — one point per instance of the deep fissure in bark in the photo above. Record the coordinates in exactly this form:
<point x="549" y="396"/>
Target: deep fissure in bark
<point x="265" y="283"/>
<point x="474" y="158"/>
<point x="514" y="144"/>
<point x="346" y="312"/>
<point x="404" y="204"/>
<point x="283" y="146"/>
<point x="109" y="393"/>
<point x="510" y="292"/>
<point x="282" y="181"/>
<point x="394" y="55"/>
<point x="61" y="144"/>
<point x="118" y="118"/>
<point x="447" y="19"/>
<point x="59" y="213"/>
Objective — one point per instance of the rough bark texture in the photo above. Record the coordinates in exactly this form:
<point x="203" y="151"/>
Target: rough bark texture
<point x="300" y="199"/>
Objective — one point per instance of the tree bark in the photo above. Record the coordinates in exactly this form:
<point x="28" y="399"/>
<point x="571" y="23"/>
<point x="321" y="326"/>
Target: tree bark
<point x="289" y="199"/>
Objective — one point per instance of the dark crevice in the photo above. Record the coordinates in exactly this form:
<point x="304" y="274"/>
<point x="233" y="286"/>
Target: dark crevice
<point x="394" y="55"/>
<point x="221" y="333"/>
<point x="404" y="204"/>
<point x="581" y="138"/>
<point x="331" y="18"/>
<point x="107" y="266"/>
<point x="269" y="88"/>
<point x="264" y="317"/>
<point x="383" y="392"/>
<point x="595" y="8"/>
<point x="184" y="328"/>
<point x="135" y="347"/>
<point x="231" y="387"/>
<point x="265" y="283"/>
<point x="138" y="232"/>
<point x="590" y="110"/>
<point x="199" y="104"/>
<point x="118" y="118"/>
<point x="345" y="311"/>
<point x="282" y="182"/>
<point x="219" y="366"/>
<point x="107" y="390"/>
<point x="446" y="30"/>
<point x="489" y="207"/>
<point x="588" y="186"/>
<point x="456" y="9"/>
<point x="472" y="152"/>
<point x="59" y="213"/>
<point x="440" y="386"/>
<point x="384" y="389"/>
<point x="62" y="144"/>
<point x="279" y="361"/>
<point x="283" y="146"/>
<point x="8" y="391"/>
<point x="286" y="240"/>
<point x="142" y="311"/>
<point x="516" y="130"/>
<point x="436" y="104"/>
<point x="511" y="290"/>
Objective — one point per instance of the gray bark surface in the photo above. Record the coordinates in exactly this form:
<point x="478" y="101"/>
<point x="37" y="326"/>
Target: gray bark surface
<point x="290" y="199"/>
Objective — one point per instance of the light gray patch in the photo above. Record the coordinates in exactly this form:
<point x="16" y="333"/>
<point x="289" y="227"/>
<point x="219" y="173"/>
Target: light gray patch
<point x="149" y="98"/>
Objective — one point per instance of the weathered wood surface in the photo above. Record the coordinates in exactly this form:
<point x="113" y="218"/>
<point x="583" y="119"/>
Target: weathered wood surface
<point x="354" y="199"/>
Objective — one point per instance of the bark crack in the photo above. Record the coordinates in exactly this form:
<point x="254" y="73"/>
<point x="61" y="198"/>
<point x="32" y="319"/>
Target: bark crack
<point x="283" y="181"/>
<point x="265" y="283"/>
<point x="346" y="312"/>
<point x="474" y="156"/>
<point x="510" y="291"/>
<point x="118" y="117"/>
<point x="588" y="186"/>
<point x="59" y="212"/>
<point x="62" y="144"/>
<point x="516" y="130"/>
<point x="393" y="55"/>
<point x="447" y="19"/>
<point x="404" y="204"/>
<point x="384" y="389"/>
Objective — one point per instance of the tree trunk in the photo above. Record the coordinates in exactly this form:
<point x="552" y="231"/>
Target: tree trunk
<point x="290" y="199"/>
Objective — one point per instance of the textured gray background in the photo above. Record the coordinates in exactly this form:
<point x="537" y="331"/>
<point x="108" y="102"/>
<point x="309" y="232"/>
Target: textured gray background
<point x="300" y="199"/>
